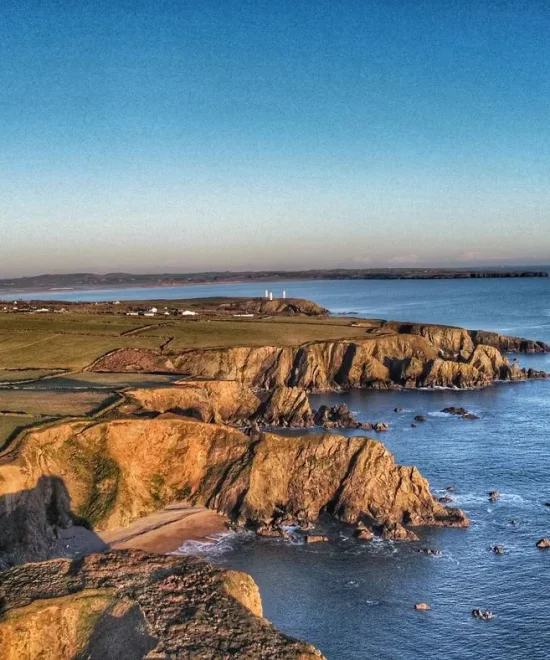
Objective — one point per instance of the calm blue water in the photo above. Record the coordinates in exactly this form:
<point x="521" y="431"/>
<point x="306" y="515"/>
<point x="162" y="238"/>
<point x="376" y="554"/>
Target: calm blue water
<point x="355" y="601"/>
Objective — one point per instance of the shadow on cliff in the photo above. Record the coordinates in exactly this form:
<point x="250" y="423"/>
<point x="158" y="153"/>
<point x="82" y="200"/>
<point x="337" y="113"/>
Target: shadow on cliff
<point x="119" y="633"/>
<point x="38" y="523"/>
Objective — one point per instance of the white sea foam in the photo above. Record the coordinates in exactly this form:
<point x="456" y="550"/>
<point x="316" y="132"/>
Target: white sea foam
<point x="217" y="544"/>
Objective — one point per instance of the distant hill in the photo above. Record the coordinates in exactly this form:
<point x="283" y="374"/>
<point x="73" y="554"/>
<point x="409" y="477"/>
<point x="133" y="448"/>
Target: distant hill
<point x="108" y="280"/>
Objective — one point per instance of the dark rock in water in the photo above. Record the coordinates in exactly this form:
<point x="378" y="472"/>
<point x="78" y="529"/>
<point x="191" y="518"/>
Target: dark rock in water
<point x="362" y="532"/>
<point x="547" y="504"/>
<point x="485" y="615"/>
<point x="497" y="549"/>
<point x="534" y="373"/>
<point x="493" y="495"/>
<point x="430" y="551"/>
<point x="543" y="544"/>
<point x="396" y="532"/>
<point x="420" y="418"/>
<point x="315" y="538"/>
<point x="339" y="417"/>
<point x="422" y="606"/>
<point x="452" y="410"/>
<point x="269" y="531"/>
<point x="460" y="412"/>
<point x="451" y="489"/>
<point x="398" y="410"/>
<point x="512" y="522"/>
<point x="445" y="499"/>
<point x="379" y="427"/>
<point x="413" y="426"/>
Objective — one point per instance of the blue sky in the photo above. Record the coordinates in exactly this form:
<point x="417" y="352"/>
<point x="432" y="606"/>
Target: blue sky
<point x="174" y="135"/>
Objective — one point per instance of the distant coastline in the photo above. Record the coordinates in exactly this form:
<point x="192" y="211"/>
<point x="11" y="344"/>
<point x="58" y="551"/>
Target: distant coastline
<point x="86" y="281"/>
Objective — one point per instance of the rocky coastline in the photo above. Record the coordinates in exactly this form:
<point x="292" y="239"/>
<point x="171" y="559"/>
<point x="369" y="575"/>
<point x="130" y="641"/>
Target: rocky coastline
<point x="207" y="440"/>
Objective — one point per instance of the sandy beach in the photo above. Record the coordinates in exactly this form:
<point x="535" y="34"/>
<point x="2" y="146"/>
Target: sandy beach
<point x="166" y="530"/>
<point x="163" y="531"/>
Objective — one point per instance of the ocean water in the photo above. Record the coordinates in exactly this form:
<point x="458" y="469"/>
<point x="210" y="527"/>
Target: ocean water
<point x="355" y="600"/>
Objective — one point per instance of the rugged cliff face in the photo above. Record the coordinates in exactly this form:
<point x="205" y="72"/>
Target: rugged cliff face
<point x="454" y="340"/>
<point x="135" y="605"/>
<point x="108" y="474"/>
<point x="225" y="402"/>
<point x="447" y="359"/>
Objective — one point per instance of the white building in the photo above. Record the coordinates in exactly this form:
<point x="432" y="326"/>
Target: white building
<point x="188" y="312"/>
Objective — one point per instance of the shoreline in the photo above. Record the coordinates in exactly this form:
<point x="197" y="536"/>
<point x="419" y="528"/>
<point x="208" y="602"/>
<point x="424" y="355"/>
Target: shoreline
<point x="162" y="532"/>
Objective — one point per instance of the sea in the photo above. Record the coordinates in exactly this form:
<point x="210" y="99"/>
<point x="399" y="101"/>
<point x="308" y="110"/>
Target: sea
<point x="355" y="600"/>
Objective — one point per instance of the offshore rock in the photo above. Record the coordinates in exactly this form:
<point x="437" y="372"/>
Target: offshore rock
<point x="107" y="474"/>
<point x="130" y="604"/>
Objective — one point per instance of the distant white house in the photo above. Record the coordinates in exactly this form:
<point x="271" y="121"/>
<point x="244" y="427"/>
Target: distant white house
<point x="244" y="315"/>
<point x="188" y="312"/>
<point x="132" y="313"/>
<point x="153" y="310"/>
<point x="149" y="314"/>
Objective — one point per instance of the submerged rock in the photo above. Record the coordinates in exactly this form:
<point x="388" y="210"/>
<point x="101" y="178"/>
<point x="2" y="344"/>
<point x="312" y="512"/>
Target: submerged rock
<point x="422" y="607"/>
<point x="420" y="418"/>
<point x="493" y="495"/>
<point x="445" y="499"/>
<point x="497" y="549"/>
<point x="485" y="615"/>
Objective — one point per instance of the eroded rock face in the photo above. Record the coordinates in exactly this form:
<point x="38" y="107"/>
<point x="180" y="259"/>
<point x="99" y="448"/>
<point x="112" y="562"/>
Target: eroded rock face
<point x="383" y="362"/>
<point x="109" y="474"/>
<point x="132" y="604"/>
<point x="226" y="402"/>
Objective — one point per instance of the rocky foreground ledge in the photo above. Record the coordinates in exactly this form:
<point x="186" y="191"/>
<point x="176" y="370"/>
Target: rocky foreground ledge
<point x="136" y="605"/>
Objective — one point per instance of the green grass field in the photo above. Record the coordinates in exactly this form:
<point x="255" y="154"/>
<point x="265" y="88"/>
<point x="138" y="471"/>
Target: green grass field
<point x="52" y="402"/>
<point x="73" y="341"/>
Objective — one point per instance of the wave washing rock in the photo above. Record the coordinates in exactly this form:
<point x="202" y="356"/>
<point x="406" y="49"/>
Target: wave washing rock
<point x="135" y="605"/>
<point x="107" y="474"/>
<point x="383" y="362"/>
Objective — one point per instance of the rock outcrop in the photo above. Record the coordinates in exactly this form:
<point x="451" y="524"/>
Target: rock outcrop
<point x="226" y="402"/>
<point x="279" y="306"/>
<point x="440" y="359"/>
<point x="105" y="475"/>
<point x="231" y="402"/>
<point x="135" y="605"/>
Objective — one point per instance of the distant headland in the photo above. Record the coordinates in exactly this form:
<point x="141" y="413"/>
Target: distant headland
<point x="93" y="280"/>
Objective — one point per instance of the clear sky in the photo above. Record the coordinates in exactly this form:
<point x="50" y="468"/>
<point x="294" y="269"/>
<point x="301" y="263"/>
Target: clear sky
<point x="189" y="135"/>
